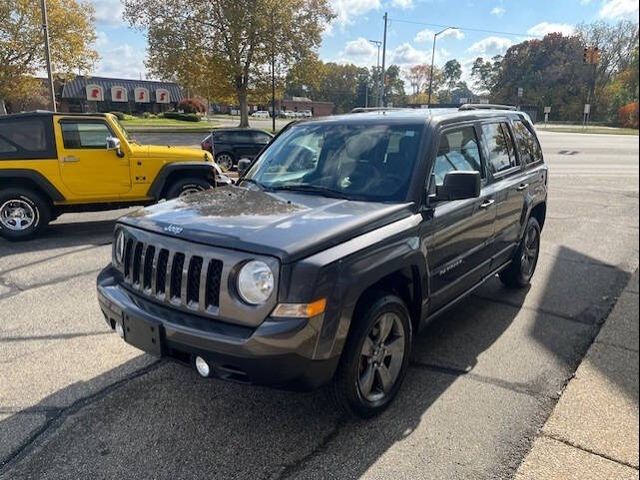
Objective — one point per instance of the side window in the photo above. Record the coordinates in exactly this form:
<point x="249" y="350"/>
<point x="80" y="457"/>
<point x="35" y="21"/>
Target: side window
<point x="85" y="134"/>
<point x="530" y="151"/>
<point x="260" y="137"/>
<point x="458" y="151"/>
<point x="26" y="138"/>
<point x="499" y="147"/>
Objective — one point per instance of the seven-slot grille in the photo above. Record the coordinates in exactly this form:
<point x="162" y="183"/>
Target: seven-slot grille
<point x="176" y="278"/>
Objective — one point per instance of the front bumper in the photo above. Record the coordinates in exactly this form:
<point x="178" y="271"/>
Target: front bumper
<point x="278" y="353"/>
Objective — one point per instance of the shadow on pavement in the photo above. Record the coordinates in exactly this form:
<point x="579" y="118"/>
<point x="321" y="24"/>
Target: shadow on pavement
<point x="169" y="423"/>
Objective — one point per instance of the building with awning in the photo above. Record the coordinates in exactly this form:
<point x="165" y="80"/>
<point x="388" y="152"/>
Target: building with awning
<point x="101" y="94"/>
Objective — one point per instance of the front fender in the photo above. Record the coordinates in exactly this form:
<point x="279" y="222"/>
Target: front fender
<point x="204" y="169"/>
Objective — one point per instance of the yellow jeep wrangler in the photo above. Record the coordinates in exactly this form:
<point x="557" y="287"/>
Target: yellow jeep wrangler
<point x="54" y="163"/>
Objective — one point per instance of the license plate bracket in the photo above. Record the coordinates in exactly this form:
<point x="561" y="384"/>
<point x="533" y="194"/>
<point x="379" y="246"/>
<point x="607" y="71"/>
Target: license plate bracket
<point x="143" y="334"/>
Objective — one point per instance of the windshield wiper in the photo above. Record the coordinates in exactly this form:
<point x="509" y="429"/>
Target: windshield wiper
<point x="327" y="192"/>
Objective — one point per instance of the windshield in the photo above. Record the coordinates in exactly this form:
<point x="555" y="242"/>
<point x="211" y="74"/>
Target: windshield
<point x="358" y="162"/>
<point x="123" y="130"/>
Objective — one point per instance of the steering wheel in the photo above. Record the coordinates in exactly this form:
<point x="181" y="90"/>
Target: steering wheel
<point x="361" y="178"/>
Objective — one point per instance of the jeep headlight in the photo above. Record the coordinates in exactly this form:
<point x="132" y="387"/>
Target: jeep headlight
<point x="255" y="282"/>
<point x="119" y="247"/>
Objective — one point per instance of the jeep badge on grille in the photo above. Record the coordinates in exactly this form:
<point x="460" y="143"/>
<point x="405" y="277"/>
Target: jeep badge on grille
<point x="176" y="230"/>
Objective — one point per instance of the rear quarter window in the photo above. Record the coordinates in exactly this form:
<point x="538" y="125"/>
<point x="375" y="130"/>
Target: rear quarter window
<point x="27" y="138"/>
<point x="528" y="145"/>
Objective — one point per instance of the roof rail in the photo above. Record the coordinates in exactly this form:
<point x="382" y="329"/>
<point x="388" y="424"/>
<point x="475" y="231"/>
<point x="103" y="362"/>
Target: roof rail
<point x="376" y="109"/>
<point x="485" y="106"/>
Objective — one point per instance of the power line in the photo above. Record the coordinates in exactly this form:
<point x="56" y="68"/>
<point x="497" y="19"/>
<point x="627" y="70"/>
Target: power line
<point x="464" y="28"/>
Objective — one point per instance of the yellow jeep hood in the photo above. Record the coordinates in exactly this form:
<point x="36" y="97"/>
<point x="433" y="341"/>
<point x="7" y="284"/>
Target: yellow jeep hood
<point x="170" y="153"/>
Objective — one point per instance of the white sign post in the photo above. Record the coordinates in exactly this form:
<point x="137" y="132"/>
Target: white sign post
<point x="587" y="112"/>
<point x="547" y="111"/>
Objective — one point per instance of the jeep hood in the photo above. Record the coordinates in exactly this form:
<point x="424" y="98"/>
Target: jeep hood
<point x="168" y="153"/>
<point x="286" y="225"/>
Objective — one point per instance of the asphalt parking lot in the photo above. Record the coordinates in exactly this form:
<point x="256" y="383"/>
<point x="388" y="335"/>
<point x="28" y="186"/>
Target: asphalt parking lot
<point x="76" y="402"/>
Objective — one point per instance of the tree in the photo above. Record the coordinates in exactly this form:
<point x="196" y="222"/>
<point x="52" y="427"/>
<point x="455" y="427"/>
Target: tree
<point x="394" y="87"/>
<point x="484" y="72"/>
<point x="418" y="76"/>
<point x="71" y="34"/>
<point x="452" y="72"/>
<point x="235" y="40"/>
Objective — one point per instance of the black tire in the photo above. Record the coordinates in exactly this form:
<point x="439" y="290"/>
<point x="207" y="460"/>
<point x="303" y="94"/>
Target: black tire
<point x="187" y="186"/>
<point x="345" y="388"/>
<point x="35" y="211"/>
<point x="523" y="265"/>
<point x="226" y="161"/>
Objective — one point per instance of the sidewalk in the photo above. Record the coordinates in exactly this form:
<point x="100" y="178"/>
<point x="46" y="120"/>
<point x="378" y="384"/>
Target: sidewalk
<point x="592" y="433"/>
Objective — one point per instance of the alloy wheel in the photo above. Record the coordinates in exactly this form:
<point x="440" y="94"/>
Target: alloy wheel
<point x="530" y="252"/>
<point x="190" y="191"/>
<point x="381" y="357"/>
<point x="17" y="215"/>
<point x="225" y="162"/>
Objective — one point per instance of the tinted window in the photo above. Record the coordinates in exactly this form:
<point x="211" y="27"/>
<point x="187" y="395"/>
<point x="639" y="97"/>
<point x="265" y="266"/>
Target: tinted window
<point x="499" y="147"/>
<point x="530" y="151"/>
<point x="85" y="134"/>
<point x="458" y="151"/>
<point x="362" y="162"/>
<point x="260" y="137"/>
<point x="28" y="137"/>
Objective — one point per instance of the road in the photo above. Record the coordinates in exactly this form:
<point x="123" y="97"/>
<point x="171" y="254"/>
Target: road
<point x="76" y="402"/>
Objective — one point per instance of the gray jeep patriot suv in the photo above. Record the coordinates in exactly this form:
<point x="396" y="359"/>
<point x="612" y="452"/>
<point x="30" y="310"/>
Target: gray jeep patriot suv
<point x="338" y="243"/>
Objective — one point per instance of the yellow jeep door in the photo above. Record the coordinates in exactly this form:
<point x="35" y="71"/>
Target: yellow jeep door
<point x="87" y="168"/>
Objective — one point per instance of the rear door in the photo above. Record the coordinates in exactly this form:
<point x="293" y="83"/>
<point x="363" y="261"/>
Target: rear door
<point x="244" y="144"/>
<point x="260" y="140"/>
<point x="459" y="234"/>
<point x="507" y="181"/>
<point x="87" y="168"/>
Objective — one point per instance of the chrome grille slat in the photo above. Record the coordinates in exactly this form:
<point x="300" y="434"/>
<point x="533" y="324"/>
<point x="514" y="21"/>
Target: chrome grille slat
<point x="185" y="281"/>
<point x="154" y="271"/>
<point x="202" y="304"/>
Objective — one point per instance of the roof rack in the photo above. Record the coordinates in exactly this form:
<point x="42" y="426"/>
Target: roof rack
<point x="376" y="109"/>
<point x="485" y="106"/>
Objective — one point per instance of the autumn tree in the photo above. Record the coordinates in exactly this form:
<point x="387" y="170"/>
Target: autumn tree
<point x="418" y="76"/>
<point x="71" y="34"/>
<point x="484" y="72"/>
<point x="233" y="41"/>
<point x="452" y="72"/>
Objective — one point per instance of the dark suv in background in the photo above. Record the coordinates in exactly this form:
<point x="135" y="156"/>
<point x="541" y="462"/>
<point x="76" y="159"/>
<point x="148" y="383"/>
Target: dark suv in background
<point x="343" y="239"/>
<point x="231" y="144"/>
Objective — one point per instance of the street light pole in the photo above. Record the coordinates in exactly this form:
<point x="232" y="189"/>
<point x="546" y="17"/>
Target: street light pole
<point x="433" y="57"/>
<point x="47" y="52"/>
<point x="378" y="44"/>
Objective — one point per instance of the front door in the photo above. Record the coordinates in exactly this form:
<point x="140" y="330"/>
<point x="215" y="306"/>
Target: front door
<point x="458" y="234"/>
<point x="87" y="168"/>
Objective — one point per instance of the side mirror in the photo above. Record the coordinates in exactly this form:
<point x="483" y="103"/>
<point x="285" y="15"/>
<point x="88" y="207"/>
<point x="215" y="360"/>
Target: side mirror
<point x="243" y="165"/>
<point x="459" y="186"/>
<point x="113" y="144"/>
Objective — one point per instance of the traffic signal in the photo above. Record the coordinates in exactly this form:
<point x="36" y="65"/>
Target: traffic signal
<point x="586" y="55"/>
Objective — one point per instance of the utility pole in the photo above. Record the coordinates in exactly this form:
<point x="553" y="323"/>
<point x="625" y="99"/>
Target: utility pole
<point x="433" y="58"/>
<point x="384" y="55"/>
<point x="47" y="52"/>
<point x="273" y="79"/>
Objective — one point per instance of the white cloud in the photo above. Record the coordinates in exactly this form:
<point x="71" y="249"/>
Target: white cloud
<point x="614" y="9"/>
<point x="407" y="54"/>
<point x="403" y="4"/>
<point x="491" y="46"/>
<point x="544" y="28"/>
<point x="108" y="11"/>
<point x="360" y="48"/>
<point x="347" y="10"/>
<point x="426" y="35"/>
<point x="498" y="11"/>
<point x="120" y="61"/>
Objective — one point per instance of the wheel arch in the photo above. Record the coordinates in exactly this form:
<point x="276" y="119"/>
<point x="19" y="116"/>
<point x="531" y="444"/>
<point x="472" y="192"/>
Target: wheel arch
<point x="32" y="180"/>
<point x="174" y="171"/>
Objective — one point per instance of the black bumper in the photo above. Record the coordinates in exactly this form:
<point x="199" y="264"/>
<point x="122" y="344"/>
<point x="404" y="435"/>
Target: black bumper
<point x="278" y="353"/>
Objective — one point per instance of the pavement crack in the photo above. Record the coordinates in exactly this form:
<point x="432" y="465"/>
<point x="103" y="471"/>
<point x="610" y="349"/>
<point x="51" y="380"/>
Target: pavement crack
<point x="291" y="469"/>
<point x="16" y="289"/>
<point x="60" y="336"/>
<point x="587" y="450"/>
<point x="57" y="417"/>
<point x="615" y="345"/>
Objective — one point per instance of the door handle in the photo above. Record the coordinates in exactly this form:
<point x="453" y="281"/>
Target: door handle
<point x="70" y="159"/>
<point x="487" y="203"/>
<point x="522" y="186"/>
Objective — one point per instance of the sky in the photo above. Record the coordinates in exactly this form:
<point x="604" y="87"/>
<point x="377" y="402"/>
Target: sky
<point x="485" y="28"/>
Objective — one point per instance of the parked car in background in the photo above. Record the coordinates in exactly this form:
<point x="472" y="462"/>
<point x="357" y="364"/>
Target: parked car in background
<point x="231" y="144"/>
<point x="54" y="163"/>
<point x="307" y="113"/>
<point x="261" y="114"/>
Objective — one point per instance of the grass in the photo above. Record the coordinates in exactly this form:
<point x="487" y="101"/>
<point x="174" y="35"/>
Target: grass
<point x="589" y="129"/>
<point x="159" y="124"/>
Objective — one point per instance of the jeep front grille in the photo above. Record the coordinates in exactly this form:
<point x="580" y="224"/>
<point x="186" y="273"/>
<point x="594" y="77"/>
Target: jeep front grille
<point x="176" y="278"/>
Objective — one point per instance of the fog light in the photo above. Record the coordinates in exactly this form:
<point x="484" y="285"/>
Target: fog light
<point x="202" y="367"/>
<point x="120" y="329"/>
